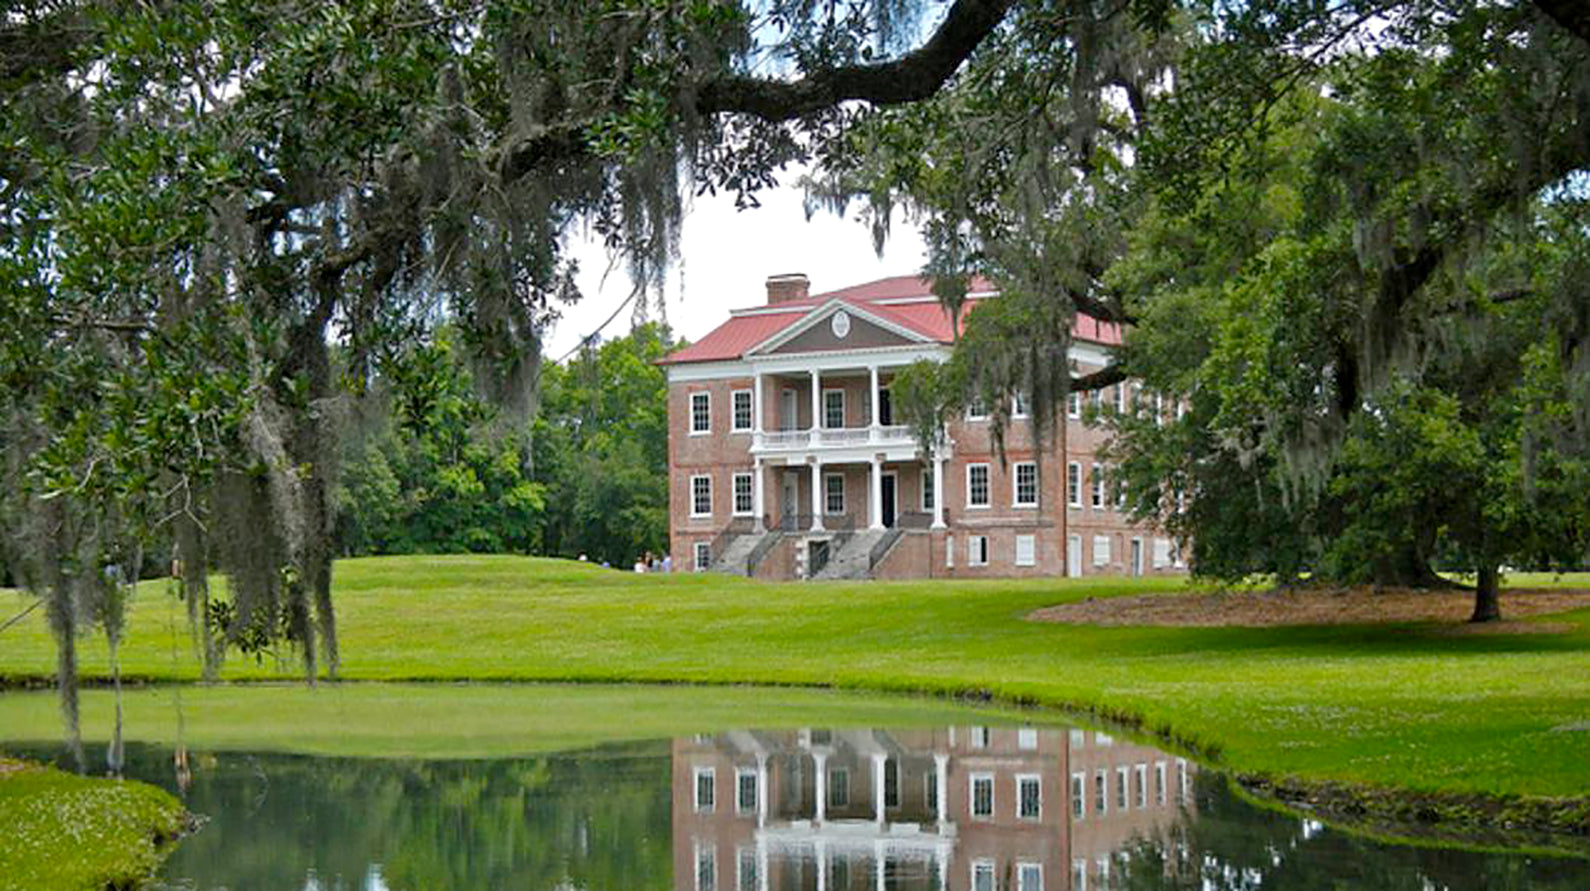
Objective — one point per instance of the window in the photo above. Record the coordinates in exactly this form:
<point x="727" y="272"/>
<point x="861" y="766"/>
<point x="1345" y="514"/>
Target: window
<point x="1029" y="798"/>
<point x="1101" y="804"/>
<point x="1079" y="874"/>
<point x="927" y="491"/>
<point x="1181" y="781"/>
<point x="1161" y="553"/>
<point x="982" y="795"/>
<point x="977" y="485"/>
<point x="701" y="496"/>
<point x="1079" y="738"/>
<point x="891" y="783"/>
<point x="1079" y="802"/>
<point x="700" y="413"/>
<point x="703" y="552"/>
<point x="983" y="875"/>
<point x="1098" y="486"/>
<point x="1029" y="877"/>
<point x="1120" y="788"/>
<point x="1026" y="550"/>
<point x="833" y="409"/>
<point x="1074" y="484"/>
<point x="839" y="787"/>
<point x="745" y="791"/>
<point x="1120" y="398"/>
<point x="1020" y="405"/>
<point x="885" y="407"/>
<point x="745" y="872"/>
<point x="981" y="737"/>
<point x="930" y="792"/>
<point x="744" y="505"/>
<point x="1120" y="492"/>
<point x="1074" y="405"/>
<point x="1101" y="550"/>
<point x="1026" y="491"/>
<point x="1103" y="739"/>
<point x="1140" y="778"/>
<point x="1027" y="738"/>
<point x="741" y="420"/>
<point x="949" y="551"/>
<point x="1159" y="783"/>
<point x="706" y="789"/>
<point x="833" y="493"/>
<point x="976" y="550"/>
<point x="706" y="868"/>
<point x="976" y="410"/>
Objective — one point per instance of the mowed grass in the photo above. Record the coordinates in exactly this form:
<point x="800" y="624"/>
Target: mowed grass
<point x="1401" y="705"/>
<point x="73" y="833"/>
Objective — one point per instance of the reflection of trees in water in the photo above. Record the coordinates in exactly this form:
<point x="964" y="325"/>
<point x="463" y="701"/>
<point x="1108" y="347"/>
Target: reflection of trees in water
<point x="1234" y="846"/>
<point x="594" y="820"/>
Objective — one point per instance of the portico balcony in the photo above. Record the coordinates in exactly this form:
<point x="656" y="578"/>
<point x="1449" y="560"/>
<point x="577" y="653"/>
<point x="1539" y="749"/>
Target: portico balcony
<point x="776" y="442"/>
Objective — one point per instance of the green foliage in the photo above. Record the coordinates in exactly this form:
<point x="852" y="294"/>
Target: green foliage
<point x="80" y="834"/>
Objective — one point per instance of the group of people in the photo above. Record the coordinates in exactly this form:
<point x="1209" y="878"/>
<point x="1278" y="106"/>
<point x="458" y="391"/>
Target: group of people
<point x="647" y="563"/>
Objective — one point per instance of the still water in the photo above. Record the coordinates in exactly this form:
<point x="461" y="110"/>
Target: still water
<point x="965" y="807"/>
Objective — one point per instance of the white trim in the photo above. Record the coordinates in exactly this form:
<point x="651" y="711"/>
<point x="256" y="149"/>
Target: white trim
<point x="986" y="867"/>
<point x="1023" y="777"/>
<point x="1015" y="485"/>
<point x="1015" y="406"/>
<point x="1032" y="544"/>
<point x="988" y="486"/>
<point x="734" y="494"/>
<point x="1079" y="795"/>
<point x="922" y="491"/>
<point x="971" y="796"/>
<point x="734" y="411"/>
<point x="1074" y="474"/>
<point x="1025" y="868"/>
<point x="823" y="311"/>
<point x="692" y="493"/>
<point x="828" y="490"/>
<point x="827" y="360"/>
<point x="696" y="550"/>
<point x="1097" y="498"/>
<point x="973" y="558"/>
<point x="843" y="413"/>
<point x="695" y="789"/>
<point x="739" y="806"/>
<point x="706" y="394"/>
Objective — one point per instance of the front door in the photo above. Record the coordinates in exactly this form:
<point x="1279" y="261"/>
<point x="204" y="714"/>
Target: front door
<point x="787" y="408"/>
<point x="1074" y="556"/>
<point x="1137" y="556"/>
<point x="787" y="500"/>
<point x="888" y="500"/>
<point x="885" y="407"/>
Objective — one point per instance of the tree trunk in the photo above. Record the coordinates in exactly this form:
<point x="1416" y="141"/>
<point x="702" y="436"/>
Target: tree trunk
<point x="1487" y="595"/>
<point x="1407" y="568"/>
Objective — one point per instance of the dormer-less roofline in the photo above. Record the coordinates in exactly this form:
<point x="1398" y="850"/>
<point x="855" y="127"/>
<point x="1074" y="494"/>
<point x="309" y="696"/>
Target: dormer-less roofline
<point x="823" y="311"/>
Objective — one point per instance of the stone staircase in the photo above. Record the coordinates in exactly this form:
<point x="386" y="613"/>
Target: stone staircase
<point x="737" y="553"/>
<point x="854" y="558"/>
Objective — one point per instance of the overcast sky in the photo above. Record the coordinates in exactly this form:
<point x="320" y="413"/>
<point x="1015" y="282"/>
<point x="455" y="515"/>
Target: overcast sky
<point x="727" y="257"/>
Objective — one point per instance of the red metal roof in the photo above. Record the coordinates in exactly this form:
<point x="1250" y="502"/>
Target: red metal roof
<point x="748" y="327"/>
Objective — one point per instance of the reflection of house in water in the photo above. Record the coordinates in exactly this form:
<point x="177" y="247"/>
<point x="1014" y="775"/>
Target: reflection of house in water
<point x="974" y="808"/>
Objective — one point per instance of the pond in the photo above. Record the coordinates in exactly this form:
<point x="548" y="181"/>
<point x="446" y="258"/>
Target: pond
<point x="941" y="798"/>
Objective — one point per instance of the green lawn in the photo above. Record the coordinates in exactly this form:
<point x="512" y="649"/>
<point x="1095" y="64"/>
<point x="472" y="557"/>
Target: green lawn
<point x="1392" y="705"/>
<point x="73" y="833"/>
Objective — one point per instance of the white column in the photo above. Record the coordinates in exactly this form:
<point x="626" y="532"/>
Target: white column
<point x="874" y="370"/>
<point x="817" y="402"/>
<point x="817" y="496"/>
<point x="944" y="867"/>
<point x="821" y="786"/>
<point x="938" y="491"/>
<point x="941" y="764"/>
<point x="822" y="865"/>
<point x="756" y="495"/>
<point x="875" y="496"/>
<point x="761" y="793"/>
<point x="761" y="862"/>
<point x="756" y="406"/>
<point x="877" y="865"/>
<point x="879" y="767"/>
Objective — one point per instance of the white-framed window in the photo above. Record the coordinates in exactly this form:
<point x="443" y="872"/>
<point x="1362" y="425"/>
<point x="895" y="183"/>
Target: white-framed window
<point x="976" y="550"/>
<point x="703" y="555"/>
<point x="1120" y="492"/>
<point x="833" y="493"/>
<point x="745" y="874"/>
<point x="1140" y="788"/>
<point x="1098" y="485"/>
<point x="744" y="504"/>
<point x="1120" y="398"/>
<point x="976" y="410"/>
<point x="1074" y="484"/>
<point x="1101" y="550"/>
<point x="740" y="401"/>
<point x="1159" y="783"/>
<point x="1020" y="405"/>
<point x="1029" y="797"/>
<point x="977" y="489"/>
<point x="706" y="867"/>
<point x="927" y="491"/>
<point x="701" y="495"/>
<point x="1025" y="491"/>
<point x="745" y="791"/>
<point x="1120" y="788"/>
<point x="1101" y="738"/>
<point x="983" y="875"/>
<point x="1029" y="877"/>
<point x="1074" y="405"/>
<point x="1079" y="795"/>
<point x="949" y="551"/>
<point x="981" y="737"/>
<point x="982" y="793"/>
<point x="1026" y="550"/>
<point x="1079" y="738"/>
<point x="891" y="782"/>
<point x="833" y="409"/>
<point x="706" y="789"/>
<point x="838" y="787"/>
<point x="700" y="413"/>
<point x="930" y="791"/>
<point x="1161" y="553"/>
<point x="1079" y="874"/>
<point x="1027" y="738"/>
<point x="1101" y="792"/>
<point x="1183" y="781"/>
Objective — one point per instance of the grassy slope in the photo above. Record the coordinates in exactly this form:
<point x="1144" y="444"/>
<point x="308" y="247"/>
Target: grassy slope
<point x="1395" y="705"/>
<point x="73" y="833"/>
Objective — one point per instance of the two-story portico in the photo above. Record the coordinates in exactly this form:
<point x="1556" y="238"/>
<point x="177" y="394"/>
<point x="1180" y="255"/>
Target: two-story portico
<point x="786" y="459"/>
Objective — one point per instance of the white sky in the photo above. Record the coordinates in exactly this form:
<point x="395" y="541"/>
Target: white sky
<point x="727" y="256"/>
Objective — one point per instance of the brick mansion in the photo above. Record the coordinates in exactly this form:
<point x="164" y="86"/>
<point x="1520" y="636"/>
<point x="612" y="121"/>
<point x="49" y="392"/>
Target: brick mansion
<point x="786" y="461"/>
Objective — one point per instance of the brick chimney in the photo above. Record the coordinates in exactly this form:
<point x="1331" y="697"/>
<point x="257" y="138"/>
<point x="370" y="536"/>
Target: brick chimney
<point x="787" y="287"/>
